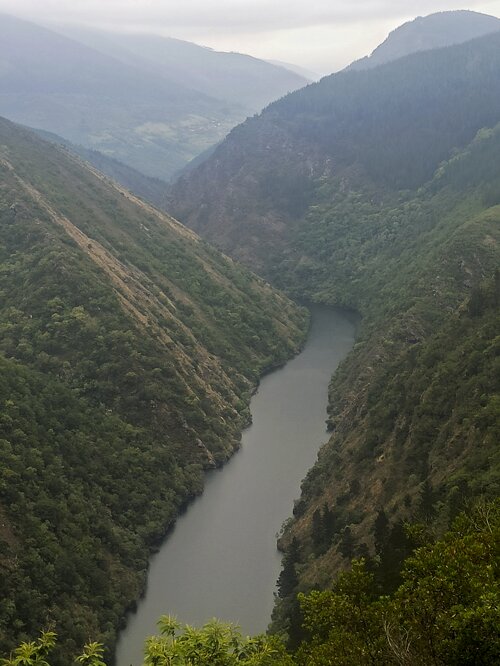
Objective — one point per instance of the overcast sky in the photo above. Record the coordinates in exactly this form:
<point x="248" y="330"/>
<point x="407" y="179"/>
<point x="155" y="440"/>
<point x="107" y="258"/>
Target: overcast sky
<point x="322" y="35"/>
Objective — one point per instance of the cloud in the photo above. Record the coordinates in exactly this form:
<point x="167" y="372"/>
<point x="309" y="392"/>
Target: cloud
<point x="320" y="34"/>
<point x="221" y="15"/>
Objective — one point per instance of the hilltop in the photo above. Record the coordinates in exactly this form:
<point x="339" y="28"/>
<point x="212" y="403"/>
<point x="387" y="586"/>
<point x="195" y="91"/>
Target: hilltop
<point x="430" y="32"/>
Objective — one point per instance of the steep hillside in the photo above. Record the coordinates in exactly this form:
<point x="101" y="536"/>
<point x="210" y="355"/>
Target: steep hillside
<point x="236" y="78"/>
<point x="430" y="32"/>
<point x="129" y="349"/>
<point x="379" y="190"/>
<point x="152" y="190"/>
<point x="384" y="129"/>
<point x="415" y="411"/>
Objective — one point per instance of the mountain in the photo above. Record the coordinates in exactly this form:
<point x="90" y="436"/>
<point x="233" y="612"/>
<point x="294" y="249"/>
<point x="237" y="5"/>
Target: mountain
<point x="152" y="104"/>
<point x="414" y="411"/>
<point x="53" y="83"/>
<point x="129" y="349"/>
<point x="235" y="78"/>
<point x="430" y="32"/>
<point x="388" y="128"/>
<point x="302" y="71"/>
<point x="379" y="190"/>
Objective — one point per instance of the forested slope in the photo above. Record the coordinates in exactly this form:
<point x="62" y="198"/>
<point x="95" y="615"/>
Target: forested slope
<point x="379" y="190"/>
<point x="152" y="190"/>
<point x="415" y="410"/>
<point x="129" y="349"/>
<point x="386" y="129"/>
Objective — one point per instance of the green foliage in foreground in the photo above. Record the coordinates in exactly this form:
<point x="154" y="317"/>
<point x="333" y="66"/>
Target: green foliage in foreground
<point x="446" y="611"/>
<point x="215" y="644"/>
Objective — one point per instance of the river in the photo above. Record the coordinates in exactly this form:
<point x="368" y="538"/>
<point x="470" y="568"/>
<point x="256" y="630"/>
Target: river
<point x="220" y="560"/>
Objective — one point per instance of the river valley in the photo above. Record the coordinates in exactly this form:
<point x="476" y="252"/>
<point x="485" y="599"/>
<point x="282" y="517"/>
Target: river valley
<point x="221" y="560"/>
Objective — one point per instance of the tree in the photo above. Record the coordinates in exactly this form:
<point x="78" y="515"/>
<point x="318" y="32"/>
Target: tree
<point x="344" y="625"/>
<point x="287" y="581"/>
<point x="446" y="612"/>
<point x="323" y="529"/>
<point x="215" y="644"/>
<point x="347" y="544"/>
<point x="449" y="602"/>
<point x="36" y="653"/>
<point x="381" y="531"/>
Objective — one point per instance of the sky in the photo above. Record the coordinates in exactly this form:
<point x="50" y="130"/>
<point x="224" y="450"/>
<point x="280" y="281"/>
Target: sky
<point x="320" y="35"/>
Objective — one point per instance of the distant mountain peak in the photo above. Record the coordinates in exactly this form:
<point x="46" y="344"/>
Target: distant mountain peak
<point x="430" y="32"/>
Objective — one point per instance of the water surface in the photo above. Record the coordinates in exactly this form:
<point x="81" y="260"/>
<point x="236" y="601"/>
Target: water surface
<point x="221" y="559"/>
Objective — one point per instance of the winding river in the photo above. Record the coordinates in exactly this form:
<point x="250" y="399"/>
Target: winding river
<point x="221" y="559"/>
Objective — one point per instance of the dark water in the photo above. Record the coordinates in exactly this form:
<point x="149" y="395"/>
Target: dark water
<point x="221" y="558"/>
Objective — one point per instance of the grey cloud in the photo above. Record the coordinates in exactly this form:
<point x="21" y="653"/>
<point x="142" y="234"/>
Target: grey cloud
<point x="223" y="15"/>
<point x="323" y="35"/>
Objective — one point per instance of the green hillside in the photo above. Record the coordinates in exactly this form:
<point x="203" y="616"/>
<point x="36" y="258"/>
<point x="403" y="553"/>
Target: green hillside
<point x="152" y="190"/>
<point x="380" y="131"/>
<point x="129" y="350"/>
<point x="379" y="190"/>
<point x="415" y="410"/>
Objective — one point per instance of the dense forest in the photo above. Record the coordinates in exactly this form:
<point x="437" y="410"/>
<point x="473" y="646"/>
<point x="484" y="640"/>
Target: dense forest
<point x="380" y="131"/>
<point x="390" y="206"/>
<point x="129" y="351"/>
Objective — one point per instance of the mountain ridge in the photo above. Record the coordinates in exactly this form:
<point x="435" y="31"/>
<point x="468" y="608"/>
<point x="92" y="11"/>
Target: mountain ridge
<point x="429" y="32"/>
<point x="263" y="176"/>
<point x="131" y="110"/>
<point x="233" y="77"/>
